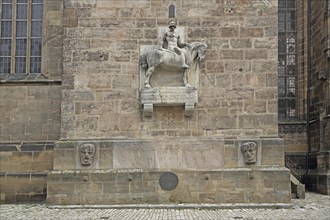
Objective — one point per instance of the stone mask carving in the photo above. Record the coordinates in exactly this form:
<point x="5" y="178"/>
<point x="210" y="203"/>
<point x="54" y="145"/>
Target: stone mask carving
<point x="87" y="153"/>
<point x="249" y="151"/>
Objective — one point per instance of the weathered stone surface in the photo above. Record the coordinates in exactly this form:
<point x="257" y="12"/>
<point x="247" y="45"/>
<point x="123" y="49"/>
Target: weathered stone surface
<point x="210" y="186"/>
<point x="33" y="115"/>
<point x="169" y="95"/>
<point x="94" y="48"/>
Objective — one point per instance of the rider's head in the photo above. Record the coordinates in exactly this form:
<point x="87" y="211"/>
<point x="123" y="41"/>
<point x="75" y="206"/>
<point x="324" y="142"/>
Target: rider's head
<point x="172" y="25"/>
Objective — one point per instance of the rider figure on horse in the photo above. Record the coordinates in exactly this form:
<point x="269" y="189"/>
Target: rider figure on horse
<point x="172" y="42"/>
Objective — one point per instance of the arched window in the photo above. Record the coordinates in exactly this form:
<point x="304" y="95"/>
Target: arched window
<point x="171" y="11"/>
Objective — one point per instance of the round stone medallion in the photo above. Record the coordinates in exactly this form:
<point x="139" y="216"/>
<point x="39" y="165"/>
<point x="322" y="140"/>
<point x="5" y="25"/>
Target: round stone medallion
<point x="168" y="181"/>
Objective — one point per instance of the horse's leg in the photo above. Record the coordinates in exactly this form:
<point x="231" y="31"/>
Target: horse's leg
<point x="148" y="74"/>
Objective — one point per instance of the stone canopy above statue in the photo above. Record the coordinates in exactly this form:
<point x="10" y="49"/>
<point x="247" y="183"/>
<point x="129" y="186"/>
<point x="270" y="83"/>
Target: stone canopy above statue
<point x="170" y="69"/>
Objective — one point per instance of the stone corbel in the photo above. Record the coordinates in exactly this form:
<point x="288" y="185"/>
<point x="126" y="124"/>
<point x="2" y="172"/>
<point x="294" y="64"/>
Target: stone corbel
<point x="148" y="110"/>
<point x="189" y="109"/>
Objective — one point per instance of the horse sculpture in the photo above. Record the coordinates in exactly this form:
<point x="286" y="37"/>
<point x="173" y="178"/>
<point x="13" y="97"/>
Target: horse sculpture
<point x="169" y="59"/>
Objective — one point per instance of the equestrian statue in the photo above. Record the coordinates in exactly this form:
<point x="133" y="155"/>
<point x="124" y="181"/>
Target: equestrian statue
<point x="173" y="54"/>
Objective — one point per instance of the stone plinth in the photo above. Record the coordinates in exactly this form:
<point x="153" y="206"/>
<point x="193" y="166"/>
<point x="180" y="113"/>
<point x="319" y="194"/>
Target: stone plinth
<point x="238" y="185"/>
<point x="187" y="96"/>
<point x="169" y="153"/>
<point x="212" y="170"/>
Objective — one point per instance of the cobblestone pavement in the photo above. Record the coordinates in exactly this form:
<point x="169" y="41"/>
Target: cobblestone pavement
<point x="315" y="206"/>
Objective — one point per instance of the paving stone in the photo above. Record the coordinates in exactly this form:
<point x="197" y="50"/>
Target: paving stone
<point x="314" y="207"/>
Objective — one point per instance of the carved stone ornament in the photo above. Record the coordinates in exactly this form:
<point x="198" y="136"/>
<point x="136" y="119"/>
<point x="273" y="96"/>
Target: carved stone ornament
<point x="87" y="154"/>
<point x="169" y="72"/>
<point x="291" y="128"/>
<point x="249" y="150"/>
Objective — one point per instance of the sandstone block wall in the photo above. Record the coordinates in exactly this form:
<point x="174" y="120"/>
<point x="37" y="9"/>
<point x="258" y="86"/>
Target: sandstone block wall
<point x="194" y="186"/>
<point x="30" y="118"/>
<point x="295" y="137"/>
<point x="237" y="101"/>
<point x="30" y="113"/>
<point x="90" y="66"/>
<point x="319" y="105"/>
<point x="23" y="173"/>
<point x="320" y="89"/>
<point x="238" y="80"/>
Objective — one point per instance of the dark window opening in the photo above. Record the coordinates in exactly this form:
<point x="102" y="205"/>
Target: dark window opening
<point x="287" y="56"/>
<point x="171" y="11"/>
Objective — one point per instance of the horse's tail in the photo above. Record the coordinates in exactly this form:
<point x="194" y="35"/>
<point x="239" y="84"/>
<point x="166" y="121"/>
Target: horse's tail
<point x="143" y="61"/>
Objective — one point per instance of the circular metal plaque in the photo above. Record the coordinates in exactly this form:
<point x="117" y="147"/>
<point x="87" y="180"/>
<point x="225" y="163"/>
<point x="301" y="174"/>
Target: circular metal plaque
<point x="168" y="181"/>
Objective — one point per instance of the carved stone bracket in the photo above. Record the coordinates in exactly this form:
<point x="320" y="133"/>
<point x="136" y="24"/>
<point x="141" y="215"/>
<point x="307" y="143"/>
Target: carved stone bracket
<point x="175" y="96"/>
<point x="291" y="128"/>
<point x="148" y="109"/>
<point x="189" y="109"/>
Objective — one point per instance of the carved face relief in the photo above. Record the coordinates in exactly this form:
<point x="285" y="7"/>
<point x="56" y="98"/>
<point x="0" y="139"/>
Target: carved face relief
<point x="249" y="150"/>
<point x="86" y="153"/>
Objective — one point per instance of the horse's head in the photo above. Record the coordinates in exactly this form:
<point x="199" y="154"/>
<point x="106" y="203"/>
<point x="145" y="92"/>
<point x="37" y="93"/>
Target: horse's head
<point x="201" y="52"/>
<point x="197" y="50"/>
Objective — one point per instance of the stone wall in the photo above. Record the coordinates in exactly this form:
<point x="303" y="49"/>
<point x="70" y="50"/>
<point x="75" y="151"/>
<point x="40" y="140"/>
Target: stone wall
<point x="104" y="132"/>
<point x="261" y="185"/>
<point x="30" y="118"/>
<point x="319" y="105"/>
<point x="23" y="173"/>
<point x="295" y="137"/>
<point x="302" y="59"/>
<point x="320" y="66"/>
<point x="90" y="69"/>
<point x="30" y="112"/>
<point x="237" y="89"/>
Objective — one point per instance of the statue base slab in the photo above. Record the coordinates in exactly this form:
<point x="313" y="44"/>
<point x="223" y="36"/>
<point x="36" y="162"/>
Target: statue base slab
<point x="164" y="96"/>
<point x="268" y="185"/>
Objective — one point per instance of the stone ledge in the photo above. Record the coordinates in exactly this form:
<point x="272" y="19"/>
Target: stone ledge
<point x="24" y="175"/>
<point x="163" y="96"/>
<point x="114" y="171"/>
<point x="179" y="206"/>
<point x="26" y="146"/>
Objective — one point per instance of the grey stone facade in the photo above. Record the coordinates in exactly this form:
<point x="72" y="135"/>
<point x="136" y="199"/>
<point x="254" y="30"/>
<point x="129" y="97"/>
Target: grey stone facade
<point x="140" y="134"/>
<point x="90" y="92"/>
